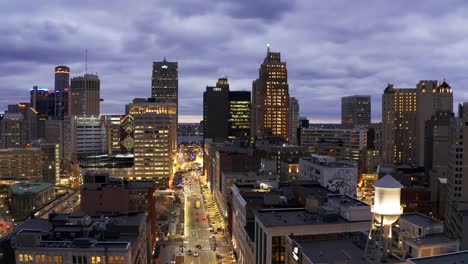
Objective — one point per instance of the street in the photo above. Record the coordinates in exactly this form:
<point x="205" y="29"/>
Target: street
<point x="203" y="240"/>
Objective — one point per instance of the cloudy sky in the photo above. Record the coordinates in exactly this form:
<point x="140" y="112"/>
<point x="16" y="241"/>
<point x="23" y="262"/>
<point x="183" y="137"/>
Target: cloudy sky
<point x="332" y="48"/>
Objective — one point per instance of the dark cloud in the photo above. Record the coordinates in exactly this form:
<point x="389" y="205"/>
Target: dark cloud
<point x="332" y="48"/>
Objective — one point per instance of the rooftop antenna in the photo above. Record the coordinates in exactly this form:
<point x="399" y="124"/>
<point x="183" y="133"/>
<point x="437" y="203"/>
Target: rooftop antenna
<point x="86" y="62"/>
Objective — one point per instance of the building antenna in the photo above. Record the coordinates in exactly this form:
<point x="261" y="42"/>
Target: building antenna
<point x="86" y="62"/>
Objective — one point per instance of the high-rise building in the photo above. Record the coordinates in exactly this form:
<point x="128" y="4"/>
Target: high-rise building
<point x="216" y="111"/>
<point x="293" y="120"/>
<point x="239" y="116"/>
<point x="40" y="103"/>
<point x="23" y="163"/>
<point x="438" y="98"/>
<point x="339" y="143"/>
<point x="14" y="132"/>
<point x="165" y="82"/>
<point x="155" y="139"/>
<point x="270" y="102"/>
<point x="85" y="96"/>
<point x="50" y="162"/>
<point x="356" y="110"/>
<point x="60" y="98"/>
<point x="226" y="114"/>
<point x="88" y="136"/>
<point x="405" y="112"/>
<point x="456" y="211"/>
<point x="112" y="123"/>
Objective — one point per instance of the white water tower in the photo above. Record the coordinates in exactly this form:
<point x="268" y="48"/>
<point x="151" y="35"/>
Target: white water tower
<point x="386" y="210"/>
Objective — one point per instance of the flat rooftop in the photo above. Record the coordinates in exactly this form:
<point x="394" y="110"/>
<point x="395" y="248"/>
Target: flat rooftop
<point x="292" y="217"/>
<point x="29" y="188"/>
<point x="460" y="257"/>
<point x="419" y="219"/>
<point x="346" y="200"/>
<point x="332" y="251"/>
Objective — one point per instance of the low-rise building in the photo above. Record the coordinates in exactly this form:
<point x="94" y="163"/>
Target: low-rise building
<point x="272" y="226"/>
<point x="26" y="198"/>
<point x="341" y="176"/>
<point x="79" y="238"/>
<point x="103" y="194"/>
<point x="422" y="236"/>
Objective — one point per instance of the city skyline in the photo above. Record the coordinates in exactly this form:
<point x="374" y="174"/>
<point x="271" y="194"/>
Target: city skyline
<point x="326" y="60"/>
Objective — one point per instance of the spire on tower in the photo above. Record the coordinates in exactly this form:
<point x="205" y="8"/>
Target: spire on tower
<point x="268" y="47"/>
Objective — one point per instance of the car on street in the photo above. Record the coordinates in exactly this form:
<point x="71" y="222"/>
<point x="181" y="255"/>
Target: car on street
<point x="199" y="246"/>
<point x="189" y="252"/>
<point x="195" y="253"/>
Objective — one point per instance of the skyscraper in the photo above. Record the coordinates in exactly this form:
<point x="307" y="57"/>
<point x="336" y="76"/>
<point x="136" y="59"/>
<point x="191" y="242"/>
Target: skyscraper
<point x="456" y="217"/>
<point x="226" y="114"/>
<point x="39" y="98"/>
<point x="62" y="82"/>
<point x="271" y="99"/>
<point x="216" y="111"/>
<point x="155" y="138"/>
<point x="293" y="120"/>
<point x="85" y="98"/>
<point x="356" y="110"/>
<point x="165" y="82"/>
<point x="404" y="115"/>
<point x="239" y="116"/>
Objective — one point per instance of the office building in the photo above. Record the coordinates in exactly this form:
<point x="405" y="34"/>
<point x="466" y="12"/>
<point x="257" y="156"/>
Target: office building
<point x="113" y="126"/>
<point x="294" y="122"/>
<point x="60" y="98"/>
<point x="85" y="95"/>
<point x="337" y="176"/>
<point x="226" y="114"/>
<point x="406" y="111"/>
<point x="14" y="131"/>
<point x="239" y="116"/>
<point x="270" y="99"/>
<point x="101" y="193"/>
<point x="356" y="110"/>
<point x="216" y="110"/>
<point x="155" y="139"/>
<point x="39" y="100"/>
<point x="165" y="82"/>
<point x="341" y="143"/>
<point x="88" y="136"/>
<point x="50" y="162"/>
<point x="79" y="238"/>
<point x="127" y="134"/>
<point x="456" y="211"/>
<point x="24" y="163"/>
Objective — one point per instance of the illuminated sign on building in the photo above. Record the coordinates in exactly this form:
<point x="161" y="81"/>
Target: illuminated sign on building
<point x="127" y="134"/>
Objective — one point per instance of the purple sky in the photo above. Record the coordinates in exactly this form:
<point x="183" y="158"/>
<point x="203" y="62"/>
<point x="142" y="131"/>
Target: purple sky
<point x="332" y="48"/>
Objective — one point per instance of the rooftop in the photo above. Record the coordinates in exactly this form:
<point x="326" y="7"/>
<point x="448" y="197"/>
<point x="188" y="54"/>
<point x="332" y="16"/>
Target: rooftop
<point x="460" y="257"/>
<point x="332" y="251"/>
<point x="292" y="217"/>
<point x="419" y="219"/>
<point x="346" y="200"/>
<point x="29" y="188"/>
